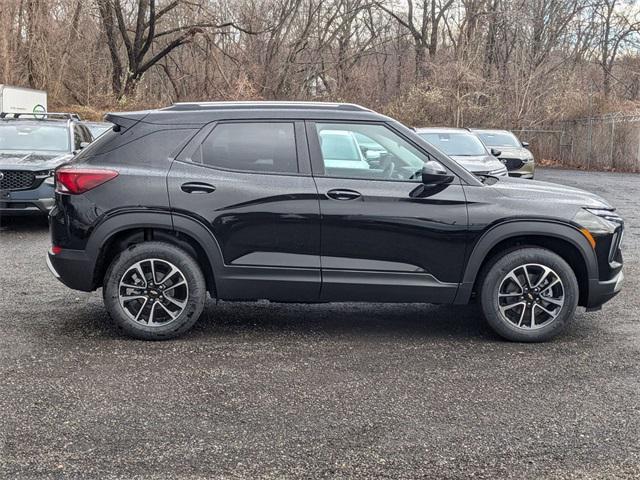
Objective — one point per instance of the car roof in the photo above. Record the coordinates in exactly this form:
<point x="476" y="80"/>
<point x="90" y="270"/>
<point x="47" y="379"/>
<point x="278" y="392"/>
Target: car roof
<point x="442" y="130"/>
<point x="198" y="113"/>
<point x="34" y="122"/>
<point x="490" y="130"/>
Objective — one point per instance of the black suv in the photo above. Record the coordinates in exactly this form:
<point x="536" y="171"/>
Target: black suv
<point x="248" y="201"/>
<point x="32" y="145"/>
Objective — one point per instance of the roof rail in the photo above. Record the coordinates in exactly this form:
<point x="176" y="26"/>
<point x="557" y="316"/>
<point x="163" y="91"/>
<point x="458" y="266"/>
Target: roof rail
<point x="40" y="116"/>
<point x="187" y="106"/>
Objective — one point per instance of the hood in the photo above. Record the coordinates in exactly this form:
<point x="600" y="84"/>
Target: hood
<point x="548" y="194"/>
<point x="514" y="152"/>
<point x="479" y="163"/>
<point x="12" y="160"/>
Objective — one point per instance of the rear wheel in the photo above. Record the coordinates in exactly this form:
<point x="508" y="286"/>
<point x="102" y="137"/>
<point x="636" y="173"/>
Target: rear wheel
<point x="529" y="295"/>
<point x="154" y="291"/>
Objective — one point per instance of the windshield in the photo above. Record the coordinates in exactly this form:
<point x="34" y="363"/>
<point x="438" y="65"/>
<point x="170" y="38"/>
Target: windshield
<point x="456" y="144"/>
<point x="500" y="139"/>
<point x="44" y="138"/>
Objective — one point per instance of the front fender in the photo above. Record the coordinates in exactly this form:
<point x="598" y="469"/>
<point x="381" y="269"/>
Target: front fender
<point x="523" y="228"/>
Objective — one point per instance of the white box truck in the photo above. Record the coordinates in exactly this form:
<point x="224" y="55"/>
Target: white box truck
<point x="22" y="100"/>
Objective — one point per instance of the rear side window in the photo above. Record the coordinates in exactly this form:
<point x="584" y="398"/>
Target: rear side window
<point x="252" y="147"/>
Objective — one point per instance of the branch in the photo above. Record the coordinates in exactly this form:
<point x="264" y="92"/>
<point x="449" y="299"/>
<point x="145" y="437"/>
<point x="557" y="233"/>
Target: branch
<point x="123" y="29"/>
<point x="216" y="26"/>
<point x="182" y="39"/>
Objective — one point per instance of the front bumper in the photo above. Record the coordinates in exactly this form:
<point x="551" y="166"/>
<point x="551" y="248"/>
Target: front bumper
<point x="27" y="202"/>
<point x="73" y="268"/>
<point x="527" y="170"/>
<point x="601" y="291"/>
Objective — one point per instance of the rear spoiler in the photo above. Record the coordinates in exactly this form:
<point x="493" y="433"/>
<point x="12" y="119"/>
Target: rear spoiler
<point x="125" y="120"/>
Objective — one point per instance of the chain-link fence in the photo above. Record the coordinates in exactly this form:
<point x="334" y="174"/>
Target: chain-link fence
<point x="608" y="142"/>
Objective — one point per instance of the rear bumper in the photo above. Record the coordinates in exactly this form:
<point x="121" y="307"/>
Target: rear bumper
<point x="73" y="268"/>
<point x="601" y="292"/>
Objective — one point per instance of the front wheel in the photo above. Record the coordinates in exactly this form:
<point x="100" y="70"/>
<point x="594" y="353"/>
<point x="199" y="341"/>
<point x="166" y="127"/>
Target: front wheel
<point x="529" y="295"/>
<point x="154" y="291"/>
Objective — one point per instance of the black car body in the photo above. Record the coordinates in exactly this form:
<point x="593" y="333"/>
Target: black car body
<point x="243" y="190"/>
<point x="31" y="147"/>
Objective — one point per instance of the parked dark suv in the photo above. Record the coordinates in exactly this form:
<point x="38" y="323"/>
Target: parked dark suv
<point x="31" y="147"/>
<point x="248" y="201"/>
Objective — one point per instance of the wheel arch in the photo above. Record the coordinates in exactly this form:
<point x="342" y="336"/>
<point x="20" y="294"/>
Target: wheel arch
<point x="127" y="228"/>
<point x="563" y="239"/>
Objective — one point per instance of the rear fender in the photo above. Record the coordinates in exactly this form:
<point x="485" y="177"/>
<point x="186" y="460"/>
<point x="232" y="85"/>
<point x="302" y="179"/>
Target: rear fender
<point x="137" y="219"/>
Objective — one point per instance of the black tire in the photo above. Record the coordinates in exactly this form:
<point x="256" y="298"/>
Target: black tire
<point x="497" y="271"/>
<point x="196" y="291"/>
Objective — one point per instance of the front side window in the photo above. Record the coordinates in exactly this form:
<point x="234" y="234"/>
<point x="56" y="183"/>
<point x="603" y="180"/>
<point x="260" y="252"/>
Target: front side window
<point x="33" y="137"/>
<point x="253" y="147"/>
<point x="455" y="144"/>
<point x="367" y="151"/>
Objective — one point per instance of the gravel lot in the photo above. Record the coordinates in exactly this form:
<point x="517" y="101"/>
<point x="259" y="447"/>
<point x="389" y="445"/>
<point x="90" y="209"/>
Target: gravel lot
<point x="329" y="391"/>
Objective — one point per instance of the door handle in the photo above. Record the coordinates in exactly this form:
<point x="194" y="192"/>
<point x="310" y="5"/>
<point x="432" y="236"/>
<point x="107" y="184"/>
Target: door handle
<point x="197" y="187"/>
<point x="343" y="194"/>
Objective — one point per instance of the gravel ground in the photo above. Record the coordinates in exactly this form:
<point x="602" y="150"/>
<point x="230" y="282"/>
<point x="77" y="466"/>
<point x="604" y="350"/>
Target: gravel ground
<point x="321" y="391"/>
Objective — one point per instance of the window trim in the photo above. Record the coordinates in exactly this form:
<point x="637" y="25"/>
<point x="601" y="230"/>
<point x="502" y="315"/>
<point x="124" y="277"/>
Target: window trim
<point x="317" y="161"/>
<point x="301" y="150"/>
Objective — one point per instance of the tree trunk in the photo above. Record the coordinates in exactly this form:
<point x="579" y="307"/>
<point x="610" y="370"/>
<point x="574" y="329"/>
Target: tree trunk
<point x="422" y="70"/>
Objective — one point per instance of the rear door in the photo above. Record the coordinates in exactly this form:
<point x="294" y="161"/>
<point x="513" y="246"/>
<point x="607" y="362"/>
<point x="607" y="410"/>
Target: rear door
<point x="249" y="182"/>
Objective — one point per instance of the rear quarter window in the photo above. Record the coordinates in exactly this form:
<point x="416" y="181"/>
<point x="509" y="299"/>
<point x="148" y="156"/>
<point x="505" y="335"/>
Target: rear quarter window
<point x="139" y="145"/>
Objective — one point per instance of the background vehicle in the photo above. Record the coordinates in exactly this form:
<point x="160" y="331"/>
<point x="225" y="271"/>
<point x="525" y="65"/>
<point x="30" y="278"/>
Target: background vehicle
<point x="31" y="147"/>
<point x="97" y="128"/>
<point x="242" y="201"/>
<point x="341" y="150"/>
<point x="22" y="100"/>
<point x="514" y="153"/>
<point x="465" y="148"/>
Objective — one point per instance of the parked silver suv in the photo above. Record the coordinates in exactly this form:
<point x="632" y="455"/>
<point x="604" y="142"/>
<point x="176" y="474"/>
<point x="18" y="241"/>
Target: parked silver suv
<point x="514" y="154"/>
<point x="465" y="148"/>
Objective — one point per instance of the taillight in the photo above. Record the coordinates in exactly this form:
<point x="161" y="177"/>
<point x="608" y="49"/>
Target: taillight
<point x="79" y="180"/>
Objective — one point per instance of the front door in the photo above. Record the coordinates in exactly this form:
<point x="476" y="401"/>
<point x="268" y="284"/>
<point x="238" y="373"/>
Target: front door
<point x="250" y="184"/>
<point x="385" y="236"/>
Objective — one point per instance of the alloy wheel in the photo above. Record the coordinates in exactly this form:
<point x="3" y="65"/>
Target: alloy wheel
<point x="531" y="296"/>
<point x="153" y="292"/>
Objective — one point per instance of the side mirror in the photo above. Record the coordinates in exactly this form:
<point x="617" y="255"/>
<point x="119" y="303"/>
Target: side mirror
<point x="495" y="152"/>
<point x="434" y="174"/>
<point x="525" y="144"/>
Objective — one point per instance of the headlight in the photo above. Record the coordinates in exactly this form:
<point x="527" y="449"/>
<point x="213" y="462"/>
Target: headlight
<point x="50" y="180"/>
<point x="597" y="221"/>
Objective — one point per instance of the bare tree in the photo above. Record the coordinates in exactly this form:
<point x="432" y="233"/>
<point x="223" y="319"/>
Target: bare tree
<point x="423" y="29"/>
<point x="616" y="28"/>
